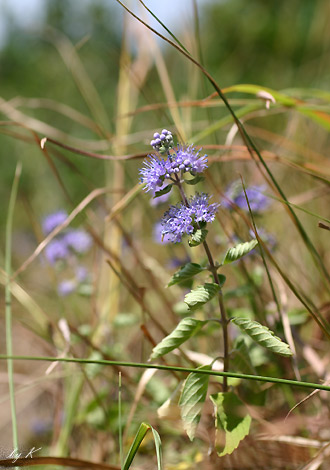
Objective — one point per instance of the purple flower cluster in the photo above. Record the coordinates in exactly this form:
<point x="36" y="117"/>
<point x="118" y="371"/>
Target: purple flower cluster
<point x="257" y="200"/>
<point x="182" y="219"/>
<point x="66" y="247"/>
<point x="158" y="171"/>
<point x="167" y="168"/>
<point x="73" y="241"/>
<point x="78" y="240"/>
<point x="56" y="250"/>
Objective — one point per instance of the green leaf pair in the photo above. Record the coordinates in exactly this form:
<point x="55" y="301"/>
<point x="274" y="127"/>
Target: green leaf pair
<point x="190" y="270"/>
<point x="231" y="419"/>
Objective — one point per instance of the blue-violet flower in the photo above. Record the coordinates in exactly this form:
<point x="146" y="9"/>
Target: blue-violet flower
<point x="158" y="235"/>
<point x="53" y="220"/>
<point x="182" y="219"/>
<point x="78" y="240"/>
<point x="257" y="200"/>
<point x="157" y="171"/>
<point x="55" y="250"/>
<point x="66" y="287"/>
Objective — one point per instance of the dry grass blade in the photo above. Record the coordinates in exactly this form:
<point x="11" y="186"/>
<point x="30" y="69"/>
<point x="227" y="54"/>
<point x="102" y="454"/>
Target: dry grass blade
<point x="84" y="153"/>
<point x="88" y="91"/>
<point x="305" y="399"/>
<point x="61" y="108"/>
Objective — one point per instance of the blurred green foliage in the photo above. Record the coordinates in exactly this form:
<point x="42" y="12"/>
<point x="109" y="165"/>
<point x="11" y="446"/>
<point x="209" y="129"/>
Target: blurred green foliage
<point x="275" y="43"/>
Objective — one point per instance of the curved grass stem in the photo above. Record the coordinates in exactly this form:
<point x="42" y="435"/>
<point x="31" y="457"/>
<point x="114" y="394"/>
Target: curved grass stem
<point x="140" y="365"/>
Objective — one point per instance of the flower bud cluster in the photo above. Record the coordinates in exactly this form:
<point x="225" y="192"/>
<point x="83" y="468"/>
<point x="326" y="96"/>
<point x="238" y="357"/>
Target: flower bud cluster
<point x="162" y="142"/>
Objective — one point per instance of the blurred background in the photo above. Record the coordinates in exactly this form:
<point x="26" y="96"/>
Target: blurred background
<point x="89" y="76"/>
<point x="279" y="45"/>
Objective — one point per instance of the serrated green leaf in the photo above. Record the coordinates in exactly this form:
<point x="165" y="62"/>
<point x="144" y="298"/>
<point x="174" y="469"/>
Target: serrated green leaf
<point x="187" y="271"/>
<point x="198" y="297"/>
<point x="192" y="400"/>
<point x="185" y="330"/>
<point x="239" y="251"/>
<point x="231" y="421"/>
<point x="263" y="336"/>
<point x="163" y="191"/>
<point x="198" y="237"/>
<point x="197" y="179"/>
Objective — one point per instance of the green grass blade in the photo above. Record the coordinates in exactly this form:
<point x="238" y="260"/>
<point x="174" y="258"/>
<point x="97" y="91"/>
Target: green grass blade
<point x="120" y="424"/>
<point x="140" y="435"/>
<point x="158" y="445"/>
<point x="142" y="365"/>
<point x="9" y="338"/>
<point x="165" y="27"/>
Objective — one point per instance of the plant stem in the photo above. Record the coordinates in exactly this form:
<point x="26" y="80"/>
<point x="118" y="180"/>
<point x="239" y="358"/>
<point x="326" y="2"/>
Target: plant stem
<point x="120" y="430"/>
<point x="223" y="314"/>
<point x="140" y="365"/>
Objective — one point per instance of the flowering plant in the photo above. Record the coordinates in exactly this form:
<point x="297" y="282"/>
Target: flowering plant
<point x="162" y="171"/>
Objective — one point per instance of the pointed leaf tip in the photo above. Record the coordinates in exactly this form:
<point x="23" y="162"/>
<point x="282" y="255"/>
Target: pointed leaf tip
<point x="202" y="294"/>
<point x="187" y="271"/>
<point x="239" y="251"/>
<point x="185" y="330"/>
<point x="192" y="400"/>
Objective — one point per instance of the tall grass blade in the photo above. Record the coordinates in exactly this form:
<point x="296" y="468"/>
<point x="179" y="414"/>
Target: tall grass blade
<point x="165" y="27"/>
<point x="140" y="435"/>
<point x="142" y="365"/>
<point x="8" y="268"/>
<point x="253" y="150"/>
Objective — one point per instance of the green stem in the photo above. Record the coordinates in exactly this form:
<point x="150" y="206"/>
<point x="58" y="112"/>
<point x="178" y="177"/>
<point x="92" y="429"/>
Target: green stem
<point x="140" y="365"/>
<point x="213" y="270"/>
<point x="120" y="423"/>
<point x="9" y="338"/>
